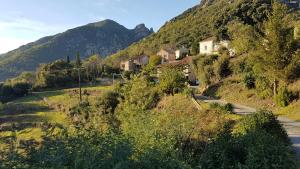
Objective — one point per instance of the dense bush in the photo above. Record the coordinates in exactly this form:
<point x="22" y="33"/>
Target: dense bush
<point x="171" y="81"/>
<point x="61" y="73"/>
<point x="227" y="108"/>
<point x="9" y="92"/>
<point x="203" y="68"/>
<point x="255" y="150"/>
<point x="251" y="146"/>
<point x="284" y="97"/>
<point x="57" y="74"/>
<point x="263" y="87"/>
<point x="249" y="80"/>
<point x="221" y="67"/>
<point x="211" y="69"/>
<point x="263" y="120"/>
<point x="108" y="102"/>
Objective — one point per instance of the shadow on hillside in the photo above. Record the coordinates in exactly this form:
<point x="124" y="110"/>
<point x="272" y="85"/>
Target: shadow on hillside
<point x="296" y="144"/>
<point x="23" y="109"/>
<point x="20" y="116"/>
<point x="213" y="90"/>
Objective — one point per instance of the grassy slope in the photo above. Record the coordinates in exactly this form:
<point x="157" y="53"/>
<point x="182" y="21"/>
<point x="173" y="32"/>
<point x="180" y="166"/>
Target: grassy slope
<point x="233" y="90"/>
<point x="28" y="117"/>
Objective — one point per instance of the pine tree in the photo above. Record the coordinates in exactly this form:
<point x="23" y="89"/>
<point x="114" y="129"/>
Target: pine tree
<point x="276" y="46"/>
<point x="78" y="60"/>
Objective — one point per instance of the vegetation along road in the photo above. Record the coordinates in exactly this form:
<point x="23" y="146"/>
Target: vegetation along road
<point x="292" y="127"/>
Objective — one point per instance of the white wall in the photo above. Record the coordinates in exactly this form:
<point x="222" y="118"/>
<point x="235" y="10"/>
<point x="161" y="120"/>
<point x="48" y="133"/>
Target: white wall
<point x="207" y="47"/>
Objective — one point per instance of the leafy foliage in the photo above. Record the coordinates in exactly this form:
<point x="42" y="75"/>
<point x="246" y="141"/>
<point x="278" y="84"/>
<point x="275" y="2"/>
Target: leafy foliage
<point x="275" y="51"/>
<point x="171" y="81"/>
<point x="252" y="146"/>
<point x="249" y="80"/>
<point x="284" y="97"/>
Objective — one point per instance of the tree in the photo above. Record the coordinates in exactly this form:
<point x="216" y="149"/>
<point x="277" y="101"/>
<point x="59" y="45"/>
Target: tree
<point x="243" y="37"/>
<point x="93" y="67"/>
<point x="153" y="62"/>
<point x="78" y="66"/>
<point x="276" y="47"/>
<point x="56" y="74"/>
<point x="195" y="48"/>
<point x="78" y="60"/>
<point x="170" y="80"/>
<point x="108" y="102"/>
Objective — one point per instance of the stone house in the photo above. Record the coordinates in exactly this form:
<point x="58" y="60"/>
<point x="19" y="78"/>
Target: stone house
<point x="135" y="63"/>
<point x="167" y="55"/>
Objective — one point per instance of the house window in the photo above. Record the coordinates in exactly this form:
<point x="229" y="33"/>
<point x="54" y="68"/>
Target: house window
<point x="205" y="47"/>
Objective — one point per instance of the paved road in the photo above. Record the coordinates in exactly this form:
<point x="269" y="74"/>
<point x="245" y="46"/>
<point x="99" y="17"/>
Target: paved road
<point x="292" y="127"/>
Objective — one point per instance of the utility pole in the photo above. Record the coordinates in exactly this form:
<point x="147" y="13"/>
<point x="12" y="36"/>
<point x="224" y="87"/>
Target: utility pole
<point x="78" y="64"/>
<point x="79" y="84"/>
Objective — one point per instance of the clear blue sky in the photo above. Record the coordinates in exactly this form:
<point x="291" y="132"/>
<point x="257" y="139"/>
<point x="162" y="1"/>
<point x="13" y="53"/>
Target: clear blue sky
<point x="23" y="21"/>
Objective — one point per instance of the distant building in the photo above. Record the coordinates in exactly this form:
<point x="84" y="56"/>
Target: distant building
<point x="135" y="63"/>
<point x="167" y="55"/>
<point x="212" y="46"/>
<point x="127" y="65"/>
<point x="181" y="53"/>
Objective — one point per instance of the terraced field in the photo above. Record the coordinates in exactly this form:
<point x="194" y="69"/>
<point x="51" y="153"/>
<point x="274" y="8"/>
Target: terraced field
<point x="26" y="120"/>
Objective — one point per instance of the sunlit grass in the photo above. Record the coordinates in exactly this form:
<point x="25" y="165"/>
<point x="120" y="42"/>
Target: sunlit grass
<point x="292" y="111"/>
<point x="39" y="108"/>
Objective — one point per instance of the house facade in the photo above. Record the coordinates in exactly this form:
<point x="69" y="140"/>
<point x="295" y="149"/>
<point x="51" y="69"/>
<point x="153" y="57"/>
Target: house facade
<point x="211" y="46"/>
<point x="135" y="63"/>
<point x="167" y="55"/>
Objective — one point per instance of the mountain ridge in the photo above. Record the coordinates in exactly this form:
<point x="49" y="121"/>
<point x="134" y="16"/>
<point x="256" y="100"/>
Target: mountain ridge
<point x="104" y="38"/>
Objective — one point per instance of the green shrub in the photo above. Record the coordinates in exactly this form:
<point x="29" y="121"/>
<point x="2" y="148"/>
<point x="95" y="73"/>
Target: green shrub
<point x="171" y="81"/>
<point x="263" y="87"/>
<point x="262" y="120"/>
<point x="258" y="146"/>
<point x="249" y="80"/>
<point x="221" y="67"/>
<point x="264" y="150"/>
<point x="284" y="97"/>
<point x="108" y="102"/>
<point x="227" y="108"/>
<point x="188" y="91"/>
<point x="127" y="74"/>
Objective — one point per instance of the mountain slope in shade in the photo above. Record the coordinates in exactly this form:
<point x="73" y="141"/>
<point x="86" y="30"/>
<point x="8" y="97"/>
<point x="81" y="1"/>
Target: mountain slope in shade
<point x="104" y="38"/>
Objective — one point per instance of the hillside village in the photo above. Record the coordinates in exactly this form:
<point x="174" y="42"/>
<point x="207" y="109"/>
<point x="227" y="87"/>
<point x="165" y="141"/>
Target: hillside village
<point x="178" y="58"/>
<point x="209" y="90"/>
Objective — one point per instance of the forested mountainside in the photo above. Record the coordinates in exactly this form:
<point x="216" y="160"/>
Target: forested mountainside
<point x="209" y="18"/>
<point x="103" y="38"/>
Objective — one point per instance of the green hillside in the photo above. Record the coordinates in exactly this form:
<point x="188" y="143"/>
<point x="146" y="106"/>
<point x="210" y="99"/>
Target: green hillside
<point x="104" y="38"/>
<point x="210" y="18"/>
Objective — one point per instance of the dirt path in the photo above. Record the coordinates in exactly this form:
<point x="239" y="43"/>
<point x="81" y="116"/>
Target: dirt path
<point x="292" y="127"/>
